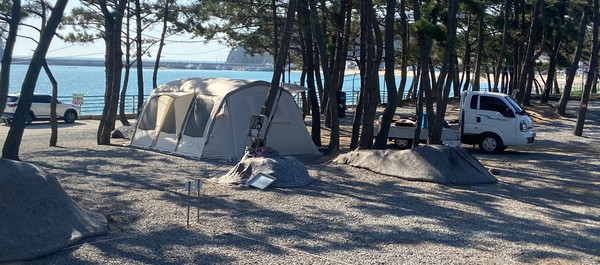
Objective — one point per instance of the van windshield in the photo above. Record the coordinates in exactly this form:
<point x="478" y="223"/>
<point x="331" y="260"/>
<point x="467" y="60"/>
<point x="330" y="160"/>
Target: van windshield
<point x="518" y="110"/>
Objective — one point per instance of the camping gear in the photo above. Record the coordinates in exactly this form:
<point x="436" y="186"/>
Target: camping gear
<point x="209" y="117"/>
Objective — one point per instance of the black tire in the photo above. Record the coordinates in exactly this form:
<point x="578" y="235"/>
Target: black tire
<point x="490" y="143"/>
<point x="70" y="116"/>
<point x="403" y="143"/>
<point x="29" y="118"/>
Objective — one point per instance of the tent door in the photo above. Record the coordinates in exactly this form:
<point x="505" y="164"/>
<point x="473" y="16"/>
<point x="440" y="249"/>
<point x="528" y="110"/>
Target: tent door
<point x="172" y="112"/>
<point x="195" y="132"/>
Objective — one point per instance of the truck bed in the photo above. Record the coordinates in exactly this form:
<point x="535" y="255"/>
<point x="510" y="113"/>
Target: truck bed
<point x="408" y="132"/>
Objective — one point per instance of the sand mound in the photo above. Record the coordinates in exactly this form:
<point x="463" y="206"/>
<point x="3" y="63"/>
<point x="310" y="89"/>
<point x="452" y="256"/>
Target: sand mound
<point x="287" y="170"/>
<point x="37" y="217"/>
<point x="433" y="163"/>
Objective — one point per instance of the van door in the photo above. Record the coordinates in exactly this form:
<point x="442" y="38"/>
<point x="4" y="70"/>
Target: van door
<point x="495" y="115"/>
<point x="469" y="112"/>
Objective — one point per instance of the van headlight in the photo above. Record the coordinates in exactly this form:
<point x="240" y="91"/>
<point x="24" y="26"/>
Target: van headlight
<point x="523" y="126"/>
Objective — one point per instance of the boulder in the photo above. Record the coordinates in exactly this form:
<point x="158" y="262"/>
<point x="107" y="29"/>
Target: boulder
<point x="287" y="170"/>
<point x="123" y="132"/>
<point x="117" y="134"/>
<point x="37" y="217"/>
<point x="432" y="163"/>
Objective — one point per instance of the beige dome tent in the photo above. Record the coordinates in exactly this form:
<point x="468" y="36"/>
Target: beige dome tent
<point x="209" y="118"/>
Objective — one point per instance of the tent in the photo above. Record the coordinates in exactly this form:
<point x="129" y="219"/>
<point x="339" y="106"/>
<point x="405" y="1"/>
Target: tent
<point x="209" y="118"/>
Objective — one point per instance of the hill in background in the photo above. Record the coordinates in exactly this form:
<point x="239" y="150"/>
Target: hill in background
<point x="239" y="56"/>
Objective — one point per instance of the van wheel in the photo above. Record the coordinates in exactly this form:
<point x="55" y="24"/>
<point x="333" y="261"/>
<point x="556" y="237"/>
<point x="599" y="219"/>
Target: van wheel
<point x="403" y="143"/>
<point x="70" y="116"/>
<point x="29" y="118"/>
<point x="490" y="143"/>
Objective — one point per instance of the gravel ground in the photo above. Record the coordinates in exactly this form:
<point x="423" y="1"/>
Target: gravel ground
<point x="545" y="209"/>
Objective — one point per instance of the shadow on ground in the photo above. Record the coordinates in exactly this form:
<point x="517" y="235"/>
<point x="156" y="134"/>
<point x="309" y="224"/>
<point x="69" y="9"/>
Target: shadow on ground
<point x="340" y="216"/>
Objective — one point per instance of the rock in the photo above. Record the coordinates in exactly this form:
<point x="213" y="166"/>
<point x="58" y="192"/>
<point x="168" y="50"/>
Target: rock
<point x="432" y="163"/>
<point x="37" y="217"/>
<point x="287" y="170"/>
<point x="123" y="132"/>
<point x="117" y="134"/>
<point x="110" y="218"/>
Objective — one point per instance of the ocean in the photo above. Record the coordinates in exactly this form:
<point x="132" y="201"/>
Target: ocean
<point x="90" y="81"/>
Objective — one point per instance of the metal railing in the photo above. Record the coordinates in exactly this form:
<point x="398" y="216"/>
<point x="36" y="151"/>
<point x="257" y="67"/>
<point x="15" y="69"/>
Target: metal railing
<point x="95" y="104"/>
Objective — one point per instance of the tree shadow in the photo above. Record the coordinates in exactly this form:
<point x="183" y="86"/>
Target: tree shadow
<point x="544" y="209"/>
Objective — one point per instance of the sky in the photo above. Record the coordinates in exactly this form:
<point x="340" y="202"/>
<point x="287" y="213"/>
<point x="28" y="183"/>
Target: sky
<point x="177" y="48"/>
<point x="174" y="50"/>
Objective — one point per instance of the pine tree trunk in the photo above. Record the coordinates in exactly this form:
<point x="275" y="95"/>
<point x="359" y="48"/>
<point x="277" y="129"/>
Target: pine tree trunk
<point x="500" y="67"/>
<point x="15" y="134"/>
<point x="280" y="62"/>
<point x="53" y="125"/>
<point x="564" y="97"/>
<point x="449" y="59"/>
<point x="477" y="77"/>
<point x="161" y="44"/>
<point x="529" y="54"/>
<point x="113" y="25"/>
<point x="404" y="56"/>
<point x="467" y="62"/>
<point x="424" y="84"/>
<point x="122" y="116"/>
<point x="341" y="51"/>
<point x="390" y="77"/>
<point x="9" y="45"/>
<point x="373" y="61"/>
<point x="593" y="65"/>
<point x="554" y="52"/>
<point x="304" y="15"/>
<point x="138" y="50"/>
<point x="122" y="98"/>
<point x="332" y="102"/>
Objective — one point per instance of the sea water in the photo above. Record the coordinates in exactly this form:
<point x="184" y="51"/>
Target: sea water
<point x="90" y="81"/>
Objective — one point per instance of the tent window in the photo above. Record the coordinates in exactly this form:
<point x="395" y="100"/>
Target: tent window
<point x="148" y="120"/>
<point x="169" y="125"/>
<point x="199" y="117"/>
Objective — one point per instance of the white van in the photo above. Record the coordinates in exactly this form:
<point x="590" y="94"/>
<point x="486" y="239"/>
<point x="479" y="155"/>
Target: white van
<point x="494" y="121"/>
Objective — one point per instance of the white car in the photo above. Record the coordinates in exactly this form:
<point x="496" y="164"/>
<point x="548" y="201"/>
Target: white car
<point x="40" y="109"/>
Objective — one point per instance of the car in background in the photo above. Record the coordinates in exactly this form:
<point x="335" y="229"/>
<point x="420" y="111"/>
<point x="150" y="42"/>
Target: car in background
<point x="40" y="109"/>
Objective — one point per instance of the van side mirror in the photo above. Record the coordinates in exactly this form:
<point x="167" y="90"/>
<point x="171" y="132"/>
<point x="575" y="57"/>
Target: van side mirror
<point x="508" y="113"/>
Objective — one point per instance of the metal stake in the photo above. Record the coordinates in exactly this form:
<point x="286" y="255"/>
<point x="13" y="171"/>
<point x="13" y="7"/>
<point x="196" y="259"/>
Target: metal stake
<point x="188" y="202"/>
<point x="198" y="205"/>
